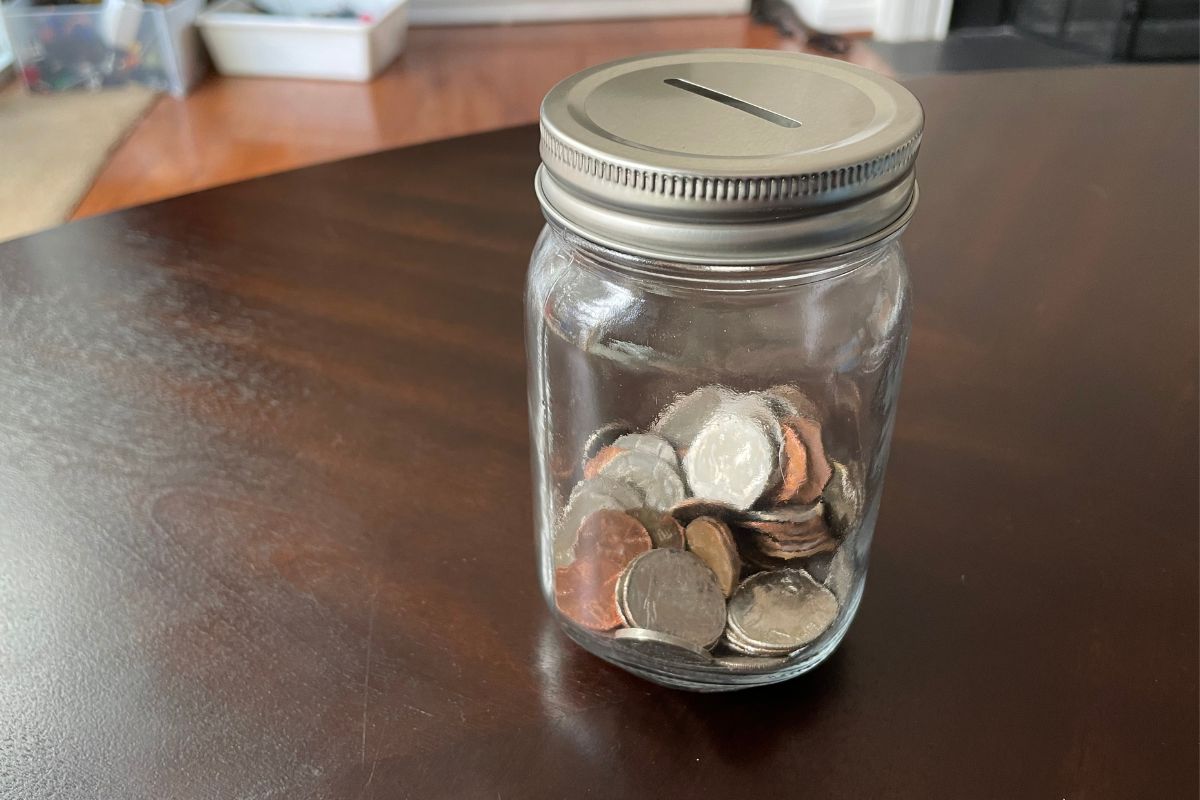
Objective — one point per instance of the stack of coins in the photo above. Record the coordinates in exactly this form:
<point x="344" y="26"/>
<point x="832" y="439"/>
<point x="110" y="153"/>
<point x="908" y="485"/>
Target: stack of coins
<point x="717" y="536"/>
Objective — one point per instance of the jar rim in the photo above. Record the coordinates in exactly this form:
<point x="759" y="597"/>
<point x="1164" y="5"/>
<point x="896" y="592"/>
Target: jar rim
<point x="815" y="264"/>
<point x="733" y="278"/>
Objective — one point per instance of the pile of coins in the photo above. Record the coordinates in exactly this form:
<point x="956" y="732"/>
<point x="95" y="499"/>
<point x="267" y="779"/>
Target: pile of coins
<point x="719" y="533"/>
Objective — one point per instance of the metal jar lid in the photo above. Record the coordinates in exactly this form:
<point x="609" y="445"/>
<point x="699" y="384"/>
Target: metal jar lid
<point x="735" y="157"/>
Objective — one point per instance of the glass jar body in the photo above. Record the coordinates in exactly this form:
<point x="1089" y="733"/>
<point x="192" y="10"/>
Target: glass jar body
<point x="708" y="453"/>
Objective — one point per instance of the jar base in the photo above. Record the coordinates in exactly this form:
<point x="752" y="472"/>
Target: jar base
<point x="715" y="677"/>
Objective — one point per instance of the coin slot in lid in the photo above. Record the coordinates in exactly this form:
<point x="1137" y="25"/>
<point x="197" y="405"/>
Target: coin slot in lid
<point x="734" y="102"/>
<point x="640" y="156"/>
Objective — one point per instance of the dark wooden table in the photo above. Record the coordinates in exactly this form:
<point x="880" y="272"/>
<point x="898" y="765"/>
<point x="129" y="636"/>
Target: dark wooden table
<point x="265" y="511"/>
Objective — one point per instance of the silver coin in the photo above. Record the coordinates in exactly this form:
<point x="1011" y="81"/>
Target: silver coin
<point x="589" y="496"/>
<point x="622" y="579"/>
<point x="681" y="421"/>
<point x="757" y="408"/>
<point x="845" y="501"/>
<point x="793" y="513"/>
<point x="819" y="566"/>
<point x="663" y="646"/>
<point x="749" y="665"/>
<point x="603" y="437"/>
<point x="780" y="611"/>
<point x="622" y="492"/>
<point x="841" y="573"/>
<point x="656" y="479"/>
<point x="732" y="460"/>
<point x="664" y="529"/>
<point x="735" y="642"/>
<point x="648" y="443"/>
<point x="673" y="592"/>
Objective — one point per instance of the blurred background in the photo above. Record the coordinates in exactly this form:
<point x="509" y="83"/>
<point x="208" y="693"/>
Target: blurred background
<point x="121" y="102"/>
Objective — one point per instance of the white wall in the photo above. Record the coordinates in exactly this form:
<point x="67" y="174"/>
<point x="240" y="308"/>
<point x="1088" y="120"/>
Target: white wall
<point x="466" y="12"/>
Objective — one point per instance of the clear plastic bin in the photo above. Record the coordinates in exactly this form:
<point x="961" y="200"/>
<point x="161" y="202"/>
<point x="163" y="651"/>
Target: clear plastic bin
<point x="63" y="48"/>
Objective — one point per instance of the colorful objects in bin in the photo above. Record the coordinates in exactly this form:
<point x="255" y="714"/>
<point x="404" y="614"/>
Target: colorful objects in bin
<point x="74" y="53"/>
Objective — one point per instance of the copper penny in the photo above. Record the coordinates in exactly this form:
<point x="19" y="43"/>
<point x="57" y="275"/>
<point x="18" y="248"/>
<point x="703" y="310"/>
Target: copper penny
<point x="585" y="592"/>
<point x="592" y="467"/>
<point x="793" y="401"/>
<point x="770" y="544"/>
<point x="819" y="470"/>
<point x="587" y="497"/>
<point x="711" y="539"/>
<point x="603" y="437"/>
<point x="783" y="532"/>
<point x="793" y="459"/>
<point x="611" y="537"/>
<point x="803" y="550"/>
<point x="792" y="538"/>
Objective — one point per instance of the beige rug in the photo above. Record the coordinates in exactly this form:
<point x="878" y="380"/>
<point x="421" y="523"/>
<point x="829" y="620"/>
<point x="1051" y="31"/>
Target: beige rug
<point x="52" y="146"/>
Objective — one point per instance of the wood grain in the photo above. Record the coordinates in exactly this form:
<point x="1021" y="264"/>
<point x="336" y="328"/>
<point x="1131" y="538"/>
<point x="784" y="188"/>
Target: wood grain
<point x="265" y="514"/>
<point x="449" y="82"/>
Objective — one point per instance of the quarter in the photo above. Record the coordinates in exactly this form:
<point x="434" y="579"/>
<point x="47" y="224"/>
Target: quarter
<point x="673" y="592"/>
<point x="780" y="611"/>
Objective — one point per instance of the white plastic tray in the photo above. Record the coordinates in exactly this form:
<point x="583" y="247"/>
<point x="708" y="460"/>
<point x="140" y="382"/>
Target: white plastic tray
<point x="243" y="42"/>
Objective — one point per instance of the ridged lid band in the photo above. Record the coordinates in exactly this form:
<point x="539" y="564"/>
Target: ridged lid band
<point x="707" y="241"/>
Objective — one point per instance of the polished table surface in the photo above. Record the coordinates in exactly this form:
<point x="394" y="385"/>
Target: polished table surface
<point x="265" y="519"/>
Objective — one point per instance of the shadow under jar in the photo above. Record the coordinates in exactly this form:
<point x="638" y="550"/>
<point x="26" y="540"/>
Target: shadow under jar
<point x="717" y="314"/>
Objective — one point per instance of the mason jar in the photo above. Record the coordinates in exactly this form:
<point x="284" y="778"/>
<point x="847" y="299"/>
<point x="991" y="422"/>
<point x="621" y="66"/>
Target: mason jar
<point x="717" y="314"/>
